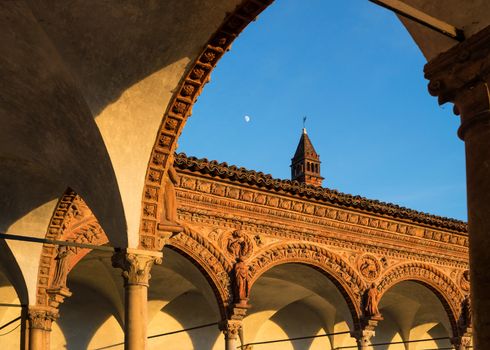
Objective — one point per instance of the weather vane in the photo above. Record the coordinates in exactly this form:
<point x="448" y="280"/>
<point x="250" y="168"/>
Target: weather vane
<point x="304" y="122"/>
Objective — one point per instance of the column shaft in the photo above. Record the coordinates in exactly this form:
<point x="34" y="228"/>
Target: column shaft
<point x="136" y="265"/>
<point x="477" y="146"/>
<point x="136" y="316"/>
<point x="461" y="75"/>
<point x="230" y="343"/>
<point x="37" y="339"/>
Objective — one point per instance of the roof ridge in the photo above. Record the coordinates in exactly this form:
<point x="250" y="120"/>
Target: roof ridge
<point x="260" y="179"/>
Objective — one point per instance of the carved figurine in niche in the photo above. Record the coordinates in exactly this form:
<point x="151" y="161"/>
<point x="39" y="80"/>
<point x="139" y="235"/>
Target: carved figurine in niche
<point x="466" y="319"/>
<point x="372" y="301"/>
<point x="170" y="180"/>
<point x="238" y="246"/>
<point x="465" y="281"/>
<point x="242" y="282"/>
<point x="168" y="219"/>
<point x="62" y="265"/>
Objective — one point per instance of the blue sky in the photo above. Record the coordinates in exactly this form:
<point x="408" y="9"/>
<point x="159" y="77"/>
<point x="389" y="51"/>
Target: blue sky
<point x="354" y="71"/>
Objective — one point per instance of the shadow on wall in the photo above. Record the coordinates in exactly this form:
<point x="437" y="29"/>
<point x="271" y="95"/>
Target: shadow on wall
<point x="10" y="273"/>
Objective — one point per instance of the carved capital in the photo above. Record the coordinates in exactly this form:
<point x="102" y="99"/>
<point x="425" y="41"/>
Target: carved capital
<point x="136" y="265"/>
<point x="461" y="75"/>
<point x="42" y="318"/>
<point x="462" y="342"/>
<point x="230" y="328"/>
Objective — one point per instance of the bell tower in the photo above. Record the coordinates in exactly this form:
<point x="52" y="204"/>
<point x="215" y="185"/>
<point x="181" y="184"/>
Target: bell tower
<point x="305" y="165"/>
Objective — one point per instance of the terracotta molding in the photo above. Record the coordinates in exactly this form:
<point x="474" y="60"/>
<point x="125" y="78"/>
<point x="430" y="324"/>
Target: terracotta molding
<point x="180" y="108"/>
<point x="72" y="220"/>
<point x="450" y="295"/>
<point x="300" y="210"/>
<point x="324" y="229"/>
<point x="349" y="282"/>
<point x="259" y="180"/>
<point x="209" y="260"/>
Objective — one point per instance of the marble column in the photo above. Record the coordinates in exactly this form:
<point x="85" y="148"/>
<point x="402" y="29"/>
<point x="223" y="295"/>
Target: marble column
<point x="230" y="330"/>
<point x="461" y="76"/>
<point x="40" y="320"/>
<point x="136" y="265"/>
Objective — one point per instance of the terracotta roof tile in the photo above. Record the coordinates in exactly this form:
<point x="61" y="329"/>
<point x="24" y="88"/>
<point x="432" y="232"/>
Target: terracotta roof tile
<point x="321" y="194"/>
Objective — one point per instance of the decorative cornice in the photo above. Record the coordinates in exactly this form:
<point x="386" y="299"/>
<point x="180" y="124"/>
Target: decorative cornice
<point x="460" y="67"/>
<point x="240" y="175"/>
<point x="336" y="239"/>
<point x="259" y="208"/>
<point x="461" y="75"/>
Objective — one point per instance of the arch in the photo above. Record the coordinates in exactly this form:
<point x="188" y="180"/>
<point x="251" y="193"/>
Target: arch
<point x="72" y="220"/>
<point x="450" y="296"/>
<point x="212" y="264"/>
<point x="331" y="265"/>
<point x="180" y="108"/>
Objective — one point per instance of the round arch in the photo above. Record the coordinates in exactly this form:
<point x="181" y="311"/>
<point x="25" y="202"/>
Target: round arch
<point x="213" y="265"/>
<point x="72" y="220"/>
<point x="331" y="265"/>
<point x="180" y="108"/>
<point x="450" y="296"/>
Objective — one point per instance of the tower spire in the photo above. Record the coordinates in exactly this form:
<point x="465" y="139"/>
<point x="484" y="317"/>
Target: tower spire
<point x="305" y="165"/>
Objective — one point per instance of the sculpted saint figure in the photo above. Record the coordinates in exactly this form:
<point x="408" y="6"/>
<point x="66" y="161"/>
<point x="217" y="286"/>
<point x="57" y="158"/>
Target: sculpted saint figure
<point x="466" y="312"/>
<point x="169" y="205"/>
<point x="241" y="281"/>
<point x="62" y="265"/>
<point x="372" y="300"/>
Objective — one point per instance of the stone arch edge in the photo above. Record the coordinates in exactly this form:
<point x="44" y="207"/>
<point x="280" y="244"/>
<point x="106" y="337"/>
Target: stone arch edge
<point x="448" y="293"/>
<point x="180" y="108"/>
<point x="345" y="278"/>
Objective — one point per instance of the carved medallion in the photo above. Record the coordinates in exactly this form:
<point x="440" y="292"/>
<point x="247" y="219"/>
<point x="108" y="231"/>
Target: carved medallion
<point x="369" y="267"/>
<point x="237" y="244"/>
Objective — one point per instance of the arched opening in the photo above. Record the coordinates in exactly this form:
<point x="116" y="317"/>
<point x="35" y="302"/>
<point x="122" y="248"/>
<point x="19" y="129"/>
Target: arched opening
<point x="296" y="300"/>
<point x="179" y="298"/>
<point x="412" y="311"/>
<point x="301" y="63"/>
<point x="97" y="302"/>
